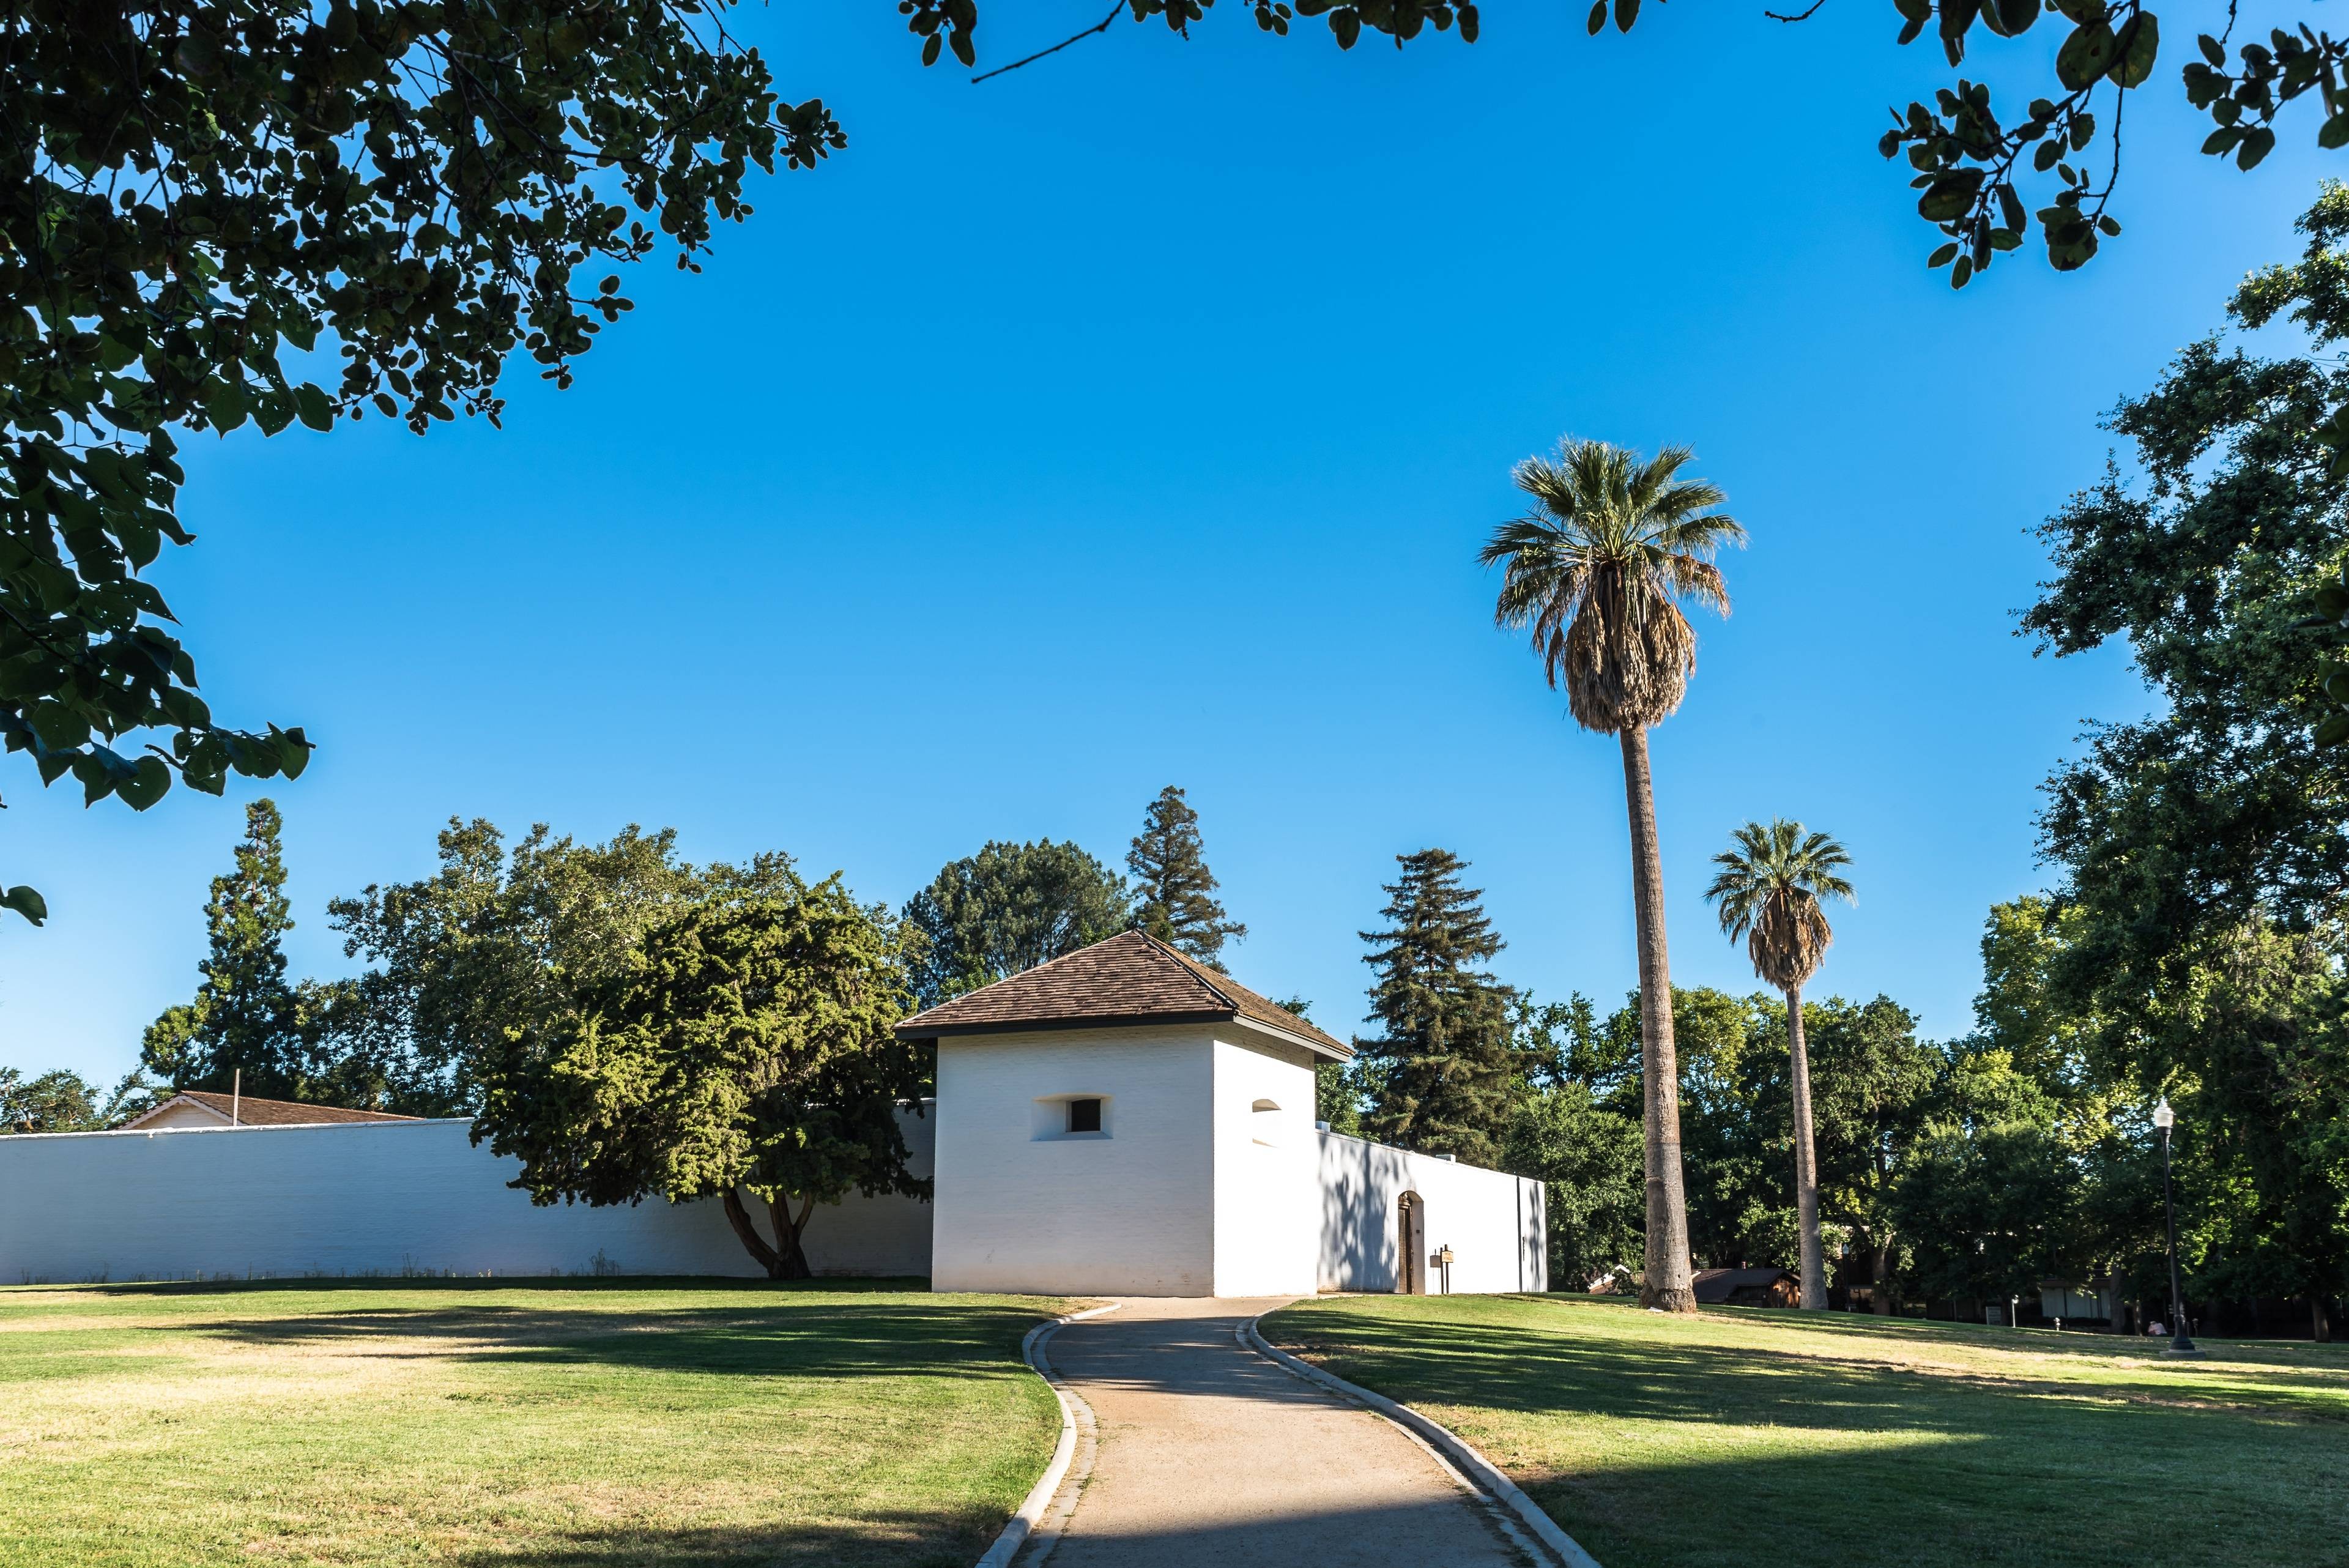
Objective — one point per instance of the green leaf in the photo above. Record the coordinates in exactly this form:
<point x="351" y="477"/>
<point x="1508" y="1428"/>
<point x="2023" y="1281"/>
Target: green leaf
<point x="25" y="902"/>
<point x="1961" y="274"/>
<point x="313" y="405"/>
<point x="2257" y="143"/>
<point x="1943" y="256"/>
<point x="146" y="785"/>
<point x="294" y="750"/>
<point x="1949" y="196"/>
<point x="2016" y="14"/>
<point x="2333" y="732"/>
<point x="2133" y="50"/>
<point x="2212" y="50"/>
<point x="2085" y="56"/>
<point x="2336" y="686"/>
<point x="2334" y="132"/>
<point x="1626" y="13"/>
<point x="1597" y="17"/>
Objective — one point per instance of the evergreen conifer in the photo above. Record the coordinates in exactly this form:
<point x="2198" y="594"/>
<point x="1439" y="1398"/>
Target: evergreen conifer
<point x="1441" y="1075"/>
<point x="245" y="1017"/>
<point x="1175" y="891"/>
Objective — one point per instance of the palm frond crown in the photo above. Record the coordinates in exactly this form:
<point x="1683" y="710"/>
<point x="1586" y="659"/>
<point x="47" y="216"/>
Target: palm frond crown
<point x="1768" y="890"/>
<point x="1598" y="568"/>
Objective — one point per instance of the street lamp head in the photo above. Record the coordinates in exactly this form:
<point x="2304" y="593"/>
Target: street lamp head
<point x="2163" y="1117"/>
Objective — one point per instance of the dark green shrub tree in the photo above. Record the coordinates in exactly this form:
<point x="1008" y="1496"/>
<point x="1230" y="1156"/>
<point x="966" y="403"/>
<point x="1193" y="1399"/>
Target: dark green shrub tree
<point x="1008" y="908"/>
<point x="747" y="1051"/>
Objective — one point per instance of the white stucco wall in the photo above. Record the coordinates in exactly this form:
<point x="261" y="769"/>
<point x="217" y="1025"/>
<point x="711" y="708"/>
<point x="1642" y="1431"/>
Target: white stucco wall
<point x="1267" y="1219"/>
<point x="1492" y="1221"/>
<point x="1021" y="1207"/>
<point x="372" y="1197"/>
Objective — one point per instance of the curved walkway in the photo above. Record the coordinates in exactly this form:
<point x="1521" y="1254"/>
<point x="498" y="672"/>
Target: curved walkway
<point x="1207" y="1454"/>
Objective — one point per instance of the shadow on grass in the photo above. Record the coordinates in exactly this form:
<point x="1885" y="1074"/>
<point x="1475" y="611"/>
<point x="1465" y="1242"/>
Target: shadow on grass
<point x="1665" y="1448"/>
<point x="817" y="1340"/>
<point x="1603" y="1368"/>
<point x="1375" y="1534"/>
<point x="885" y="1540"/>
<point x="825" y="1328"/>
<point x="550" y="1284"/>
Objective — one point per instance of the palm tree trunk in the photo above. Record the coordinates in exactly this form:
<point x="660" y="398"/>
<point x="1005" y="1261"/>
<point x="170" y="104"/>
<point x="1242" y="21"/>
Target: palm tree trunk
<point x="1668" y="1284"/>
<point x="1806" y="1162"/>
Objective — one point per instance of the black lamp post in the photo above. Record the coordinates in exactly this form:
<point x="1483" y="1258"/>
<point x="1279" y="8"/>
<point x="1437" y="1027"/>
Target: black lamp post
<point x="2180" y="1342"/>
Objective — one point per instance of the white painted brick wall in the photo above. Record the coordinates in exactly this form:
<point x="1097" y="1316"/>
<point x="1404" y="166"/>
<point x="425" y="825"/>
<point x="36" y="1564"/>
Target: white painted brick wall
<point x="1129" y="1214"/>
<point x="1267" y="1224"/>
<point x="372" y="1197"/>
<point x="1493" y="1223"/>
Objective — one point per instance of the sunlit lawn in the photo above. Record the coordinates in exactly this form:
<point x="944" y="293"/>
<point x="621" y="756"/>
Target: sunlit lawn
<point x="1744" y="1435"/>
<point x="572" y="1424"/>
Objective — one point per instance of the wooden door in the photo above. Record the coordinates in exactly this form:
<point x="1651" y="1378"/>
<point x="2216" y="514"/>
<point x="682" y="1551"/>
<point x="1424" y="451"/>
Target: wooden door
<point x="1411" y="1235"/>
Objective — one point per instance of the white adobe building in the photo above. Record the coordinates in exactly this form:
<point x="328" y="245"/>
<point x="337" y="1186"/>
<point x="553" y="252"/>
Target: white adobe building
<point x="1120" y="1121"/>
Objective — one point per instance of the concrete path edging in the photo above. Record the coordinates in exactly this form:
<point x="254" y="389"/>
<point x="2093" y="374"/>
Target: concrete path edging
<point x="1480" y="1472"/>
<point x="1040" y="1497"/>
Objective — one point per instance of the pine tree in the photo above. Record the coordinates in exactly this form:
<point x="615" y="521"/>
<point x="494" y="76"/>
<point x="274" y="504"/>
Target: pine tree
<point x="1441" y="1076"/>
<point x="1175" y="889"/>
<point x="1337" y="1085"/>
<point x="245" y="1017"/>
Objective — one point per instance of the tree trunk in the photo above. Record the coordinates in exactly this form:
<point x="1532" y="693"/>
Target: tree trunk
<point x="1880" y="1298"/>
<point x="784" y="1259"/>
<point x="790" y="1260"/>
<point x="1806" y="1162"/>
<point x="740" y="1218"/>
<point x="2320" y="1333"/>
<point x="1668" y="1284"/>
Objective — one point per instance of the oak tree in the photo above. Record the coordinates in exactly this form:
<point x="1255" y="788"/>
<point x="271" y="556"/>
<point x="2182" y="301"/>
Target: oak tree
<point x="746" y="1052"/>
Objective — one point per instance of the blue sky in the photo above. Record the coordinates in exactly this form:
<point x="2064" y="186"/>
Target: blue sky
<point x="1134" y="419"/>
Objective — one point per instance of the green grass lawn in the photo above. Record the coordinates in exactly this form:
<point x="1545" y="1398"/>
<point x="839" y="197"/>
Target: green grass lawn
<point x="564" y="1424"/>
<point x="1742" y="1435"/>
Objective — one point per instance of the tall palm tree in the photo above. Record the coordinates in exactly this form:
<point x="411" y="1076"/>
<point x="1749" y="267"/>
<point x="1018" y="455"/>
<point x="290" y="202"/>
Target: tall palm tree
<point x="1599" y="567"/>
<point x="1768" y="892"/>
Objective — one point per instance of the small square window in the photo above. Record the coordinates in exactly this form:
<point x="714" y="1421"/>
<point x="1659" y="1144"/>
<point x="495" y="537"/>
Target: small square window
<point x="1084" y="1115"/>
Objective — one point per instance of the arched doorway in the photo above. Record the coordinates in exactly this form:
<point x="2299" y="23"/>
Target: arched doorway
<point x="1411" y="1237"/>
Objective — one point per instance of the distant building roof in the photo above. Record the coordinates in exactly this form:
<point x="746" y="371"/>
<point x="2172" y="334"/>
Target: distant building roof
<point x="1132" y="978"/>
<point x="252" y="1111"/>
<point x="1714" y="1286"/>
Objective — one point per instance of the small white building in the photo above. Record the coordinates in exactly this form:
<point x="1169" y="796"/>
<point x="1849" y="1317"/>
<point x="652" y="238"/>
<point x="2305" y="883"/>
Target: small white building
<point x="1122" y="1121"/>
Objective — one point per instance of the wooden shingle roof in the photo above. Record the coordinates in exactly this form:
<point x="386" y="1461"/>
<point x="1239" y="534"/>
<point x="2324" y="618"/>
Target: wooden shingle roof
<point x="1132" y="978"/>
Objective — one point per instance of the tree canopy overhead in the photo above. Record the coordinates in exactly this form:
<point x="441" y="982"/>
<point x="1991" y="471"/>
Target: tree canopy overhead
<point x="1966" y="153"/>
<point x="204" y="198"/>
